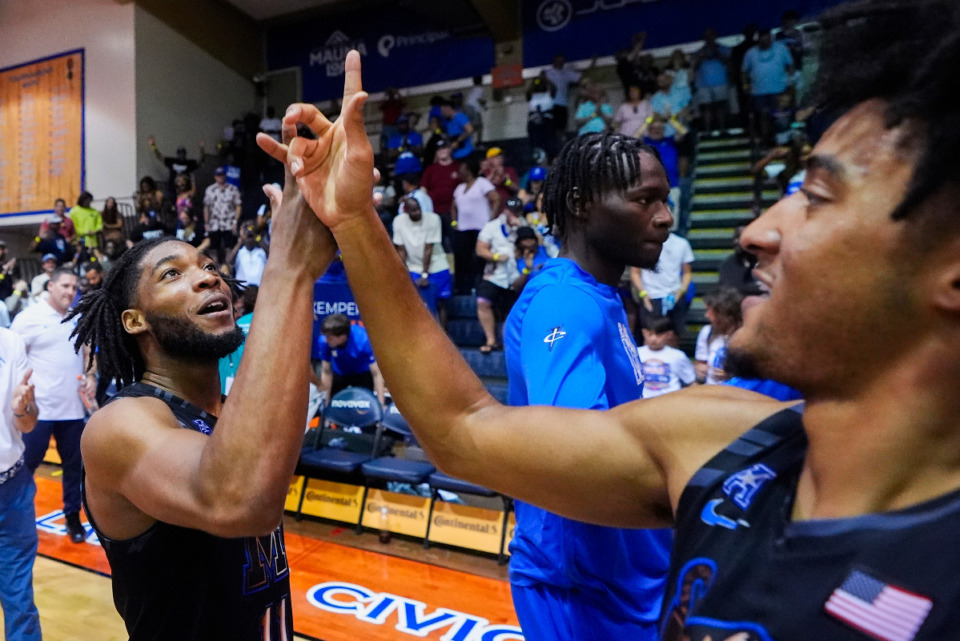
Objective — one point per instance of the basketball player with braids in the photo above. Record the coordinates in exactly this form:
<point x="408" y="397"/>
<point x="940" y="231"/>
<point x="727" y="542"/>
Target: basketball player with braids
<point x="186" y="490"/>
<point x="568" y="344"/>
<point x="837" y="521"/>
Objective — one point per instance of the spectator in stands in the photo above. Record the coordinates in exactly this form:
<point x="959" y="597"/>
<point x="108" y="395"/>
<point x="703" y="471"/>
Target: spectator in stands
<point x="631" y="115"/>
<point x="391" y="108"/>
<point x="229" y="364"/>
<point x="9" y="272"/>
<point x="112" y="221"/>
<point x="654" y="133"/>
<point x="112" y="250"/>
<point x="50" y="241"/>
<point x="535" y="180"/>
<point x="66" y="225"/>
<point x="190" y="229"/>
<point x="668" y="104"/>
<point x="87" y="222"/>
<point x="679" y="67"/>
<point x="440" y="179"/>
<point x="663" y="289"/>
<point x="503" y="177"/>
<point x="458" y="129"/>
<point x="531" y="255"/>
<point x="562" y="77"/>
<point x="38" y="286"/>
<point x="541" y="131"/>
<point x="725" y="316"/>
<point x="178" y="164"/>
<point x="418" y="236"/>
<point x="19" y="299"/>
<point x="404" y="140"/>
<point x="150" y="199"/>
<point x="249" y="256"/>
<point x="736" y="270"/>
<point x="665" y="368"/>
<point x="270" y="124"/>
<point x="475" y="200"/>
<point x="385" y="199"/>
<point x="713" y="85"/>
<point x="93" y="273"/>
<point x="496" y="244"/>
<point x="766" y="71"/>
<point x="792" y="37"/>
<point x="147" y="228"/>
<point x="474" y="105"/>
<point x="594" y="115"/>
<point x="410" y="184"/>
<point x="737" y="55"/>
<point x="346" y="358"/>
<point x="221" y="211"/>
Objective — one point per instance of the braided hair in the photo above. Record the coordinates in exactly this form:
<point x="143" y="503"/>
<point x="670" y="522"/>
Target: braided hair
<point x="904" y="52"/>
<point x="591" y="164"/>
<point x="99" y="324"/>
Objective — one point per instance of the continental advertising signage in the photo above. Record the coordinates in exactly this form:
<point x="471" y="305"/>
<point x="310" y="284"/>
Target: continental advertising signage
<point x="398" y="48"/>
<point x="41" y="134"/>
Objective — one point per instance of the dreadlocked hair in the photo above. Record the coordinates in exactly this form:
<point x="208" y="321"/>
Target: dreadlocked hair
<point x="904" y="52"/>
<point x="591" y="164"/>
<point x="99" y="324"/>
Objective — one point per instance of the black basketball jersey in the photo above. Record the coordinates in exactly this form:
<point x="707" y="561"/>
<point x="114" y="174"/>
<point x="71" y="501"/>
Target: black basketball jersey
<point x="175" y="583"/>
<point x="743" y="570"/>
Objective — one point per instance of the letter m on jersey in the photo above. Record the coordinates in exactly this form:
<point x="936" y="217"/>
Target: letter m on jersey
<point x="266" y="561"/>
<point x="743" y="486"/>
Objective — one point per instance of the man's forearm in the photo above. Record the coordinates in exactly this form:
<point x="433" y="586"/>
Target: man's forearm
<point x="408" y="342"/>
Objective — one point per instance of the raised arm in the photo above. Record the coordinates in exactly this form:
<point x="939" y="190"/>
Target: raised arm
<point x="637" y="457"/>
<point x="141" y="466"/>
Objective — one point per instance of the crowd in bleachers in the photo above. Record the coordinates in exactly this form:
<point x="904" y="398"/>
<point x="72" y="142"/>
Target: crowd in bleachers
<point x="466" y="212"/>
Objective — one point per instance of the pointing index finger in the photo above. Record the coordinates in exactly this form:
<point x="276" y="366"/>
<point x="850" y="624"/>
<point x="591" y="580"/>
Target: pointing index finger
<point x="351" y="81"/>
<point x="26" y="377"/>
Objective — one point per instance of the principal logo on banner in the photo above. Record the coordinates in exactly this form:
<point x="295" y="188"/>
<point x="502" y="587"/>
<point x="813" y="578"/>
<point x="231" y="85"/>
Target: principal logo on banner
<point x="412" y="617"/>
<point x="388" y="42"/>
<point x="332" y="54"/>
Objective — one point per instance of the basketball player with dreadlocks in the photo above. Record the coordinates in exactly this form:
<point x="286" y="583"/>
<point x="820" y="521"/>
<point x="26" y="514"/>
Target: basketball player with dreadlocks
<point x="185" y="490"/>
<point x="838" y="522"/>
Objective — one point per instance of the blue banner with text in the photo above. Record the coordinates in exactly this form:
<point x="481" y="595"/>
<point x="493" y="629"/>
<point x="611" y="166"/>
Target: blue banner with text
<point x="582" y="29"/>
<point x="398" y="48"/>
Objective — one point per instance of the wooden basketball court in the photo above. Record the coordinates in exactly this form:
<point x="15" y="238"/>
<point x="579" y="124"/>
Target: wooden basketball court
<point x="344" y="587"/>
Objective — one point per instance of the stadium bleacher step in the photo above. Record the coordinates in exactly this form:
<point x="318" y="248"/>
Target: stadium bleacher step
<point x="713" y="157"/>
<point x="708" y="185"/>
<point x="726" y="169"/>
<point x="710" y="237"/>
<point x="709" y="218"/>
<point x="732" y="199"/>
<point x="733" y="142"/>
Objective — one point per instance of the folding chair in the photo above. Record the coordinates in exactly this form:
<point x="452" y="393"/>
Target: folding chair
<point x="354" y="412"/>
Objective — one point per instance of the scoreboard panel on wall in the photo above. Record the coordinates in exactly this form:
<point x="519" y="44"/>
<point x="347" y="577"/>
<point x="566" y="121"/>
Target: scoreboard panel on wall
<point x="41" y="134"/>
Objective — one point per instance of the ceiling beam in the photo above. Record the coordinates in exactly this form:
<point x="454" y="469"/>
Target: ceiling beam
<point x="217" y="27"/>
<point x="502" y="18"/>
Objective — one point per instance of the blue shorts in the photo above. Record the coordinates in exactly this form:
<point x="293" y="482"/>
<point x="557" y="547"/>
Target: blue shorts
<point x="441" y="282"/>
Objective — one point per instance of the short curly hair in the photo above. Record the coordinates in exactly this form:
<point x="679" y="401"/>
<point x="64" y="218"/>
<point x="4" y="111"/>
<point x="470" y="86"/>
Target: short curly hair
<point x="904" y="52"/>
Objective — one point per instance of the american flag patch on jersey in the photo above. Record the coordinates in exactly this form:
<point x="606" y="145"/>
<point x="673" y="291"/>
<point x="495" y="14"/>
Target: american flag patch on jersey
<point x="878" y="609"/>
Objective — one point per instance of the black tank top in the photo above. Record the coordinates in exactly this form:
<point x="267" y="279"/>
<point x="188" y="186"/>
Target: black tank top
<point x="173" y="583"/>
<point x="743" y="570"/>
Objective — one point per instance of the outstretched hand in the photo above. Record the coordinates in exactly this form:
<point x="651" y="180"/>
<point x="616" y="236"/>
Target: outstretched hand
<point x="297" y="235"/>
<point x="335" y="171"/>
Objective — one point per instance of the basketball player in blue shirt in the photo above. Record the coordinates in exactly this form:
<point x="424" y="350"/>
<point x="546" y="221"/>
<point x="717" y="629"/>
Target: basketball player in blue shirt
<point x="568" y="344"/>
<point x="838" y="523"/>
